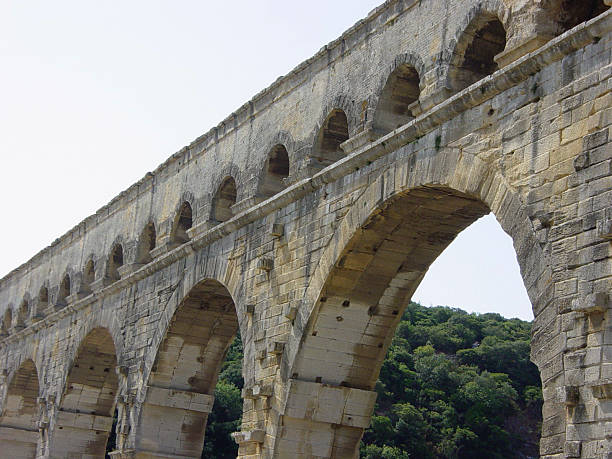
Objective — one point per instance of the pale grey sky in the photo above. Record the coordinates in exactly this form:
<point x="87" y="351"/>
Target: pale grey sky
<point x="95" y="94"/>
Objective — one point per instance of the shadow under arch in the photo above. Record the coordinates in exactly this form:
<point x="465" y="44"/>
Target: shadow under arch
<point x="19" y="421"/>
<point x="85" y="415"/>
<point x="181" y="384"/>
<point x="374" y="263"/>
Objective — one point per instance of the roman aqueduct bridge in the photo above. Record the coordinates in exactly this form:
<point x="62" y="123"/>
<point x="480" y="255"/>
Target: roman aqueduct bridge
<point x="305" y="221"/>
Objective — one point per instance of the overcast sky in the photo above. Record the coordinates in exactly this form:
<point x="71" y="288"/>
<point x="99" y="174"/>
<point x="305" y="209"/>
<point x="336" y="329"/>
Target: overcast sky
<point x="95" y="94"/>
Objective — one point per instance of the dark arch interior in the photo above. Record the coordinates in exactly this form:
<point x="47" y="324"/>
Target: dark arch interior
<point x="89" y="276"/>
<point x="89" y="395"/>
<point x="573" y="12"/>
<point x="188" y="362"/>
<point x="478" y="60"/>
<point x="184" y="221"/>
<point x="23" y="312"/>
<point x="327" y="145"/>
<point x="224" y="200"/>
<point x="115" y="262"/>
<point x="277" y="171"/>
<point x="21" y="412"/>
<point x="64" y="290"/>
<point x="400" y="91"/>
<point x="43" y="296"/>
<point x="7" y="321"/>
<point x="146" y="243"/>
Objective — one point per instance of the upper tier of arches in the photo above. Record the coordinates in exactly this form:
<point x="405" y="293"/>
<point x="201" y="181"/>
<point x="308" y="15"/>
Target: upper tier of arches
<point x="281" y="160"/>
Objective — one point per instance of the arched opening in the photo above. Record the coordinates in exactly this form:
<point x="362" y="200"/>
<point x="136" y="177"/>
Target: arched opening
<point x="89" y="276"/>
<point x="183" y="222"/>
<point x="64" y="291"/>
<point x="394" y="105"/>
<point x="115" y="261"/>
<point x="224" y="200"/>
<point x="334" y="132"/>
<point x="276" y="172"/>
<point x="7" y="321"/>
<point x="23" y="313"/>
<point x="85" y="412"/>
<point x="146" y="243"/>
<point x="475" y="52"/>
<point x="19" y="421"/>
<point x="43" y="300"/>
<point x="570" y="13"/>
<point x="186" y="368"/>
<point x="353" y="323"/>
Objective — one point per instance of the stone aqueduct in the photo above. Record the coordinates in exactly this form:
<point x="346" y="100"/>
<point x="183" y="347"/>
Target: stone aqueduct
<point x="306" y="220"/>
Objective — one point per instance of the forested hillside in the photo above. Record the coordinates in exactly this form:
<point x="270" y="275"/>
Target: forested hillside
<point x="453" y="385"/>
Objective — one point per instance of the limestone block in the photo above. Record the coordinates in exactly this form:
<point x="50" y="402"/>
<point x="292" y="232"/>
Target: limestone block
<point x="594" y="302"/>
<point x="330" y="404"/>
<point x="250" y="436"/>
<point x="180" y="399"/>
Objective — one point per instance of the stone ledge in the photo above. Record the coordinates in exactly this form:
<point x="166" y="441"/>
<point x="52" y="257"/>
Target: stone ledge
<point x="179" y="399"/>
<point x="83" y="421"/>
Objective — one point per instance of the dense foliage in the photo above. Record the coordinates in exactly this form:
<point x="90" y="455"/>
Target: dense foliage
<point x="453" y="385"/>
<point x="456" y="385"/>
<point x="227" y="410"/>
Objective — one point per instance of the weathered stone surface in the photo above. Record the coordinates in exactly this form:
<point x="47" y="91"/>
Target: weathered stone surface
<point x="306" y="221"/>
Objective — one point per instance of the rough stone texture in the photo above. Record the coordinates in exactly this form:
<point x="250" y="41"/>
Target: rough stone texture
<point x="306" y="221"/>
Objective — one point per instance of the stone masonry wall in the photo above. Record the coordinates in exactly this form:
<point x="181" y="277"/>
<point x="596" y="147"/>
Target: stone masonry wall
<point x="531" y="143"/>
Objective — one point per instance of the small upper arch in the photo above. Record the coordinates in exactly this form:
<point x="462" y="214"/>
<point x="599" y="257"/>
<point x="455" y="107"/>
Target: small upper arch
<point x="399" y="92"/>
<point x="570" y="13"/>
<point x="333" y="132"/>
<point x="275" y="171"/>
<point x="7" y="320"/>
<point x="65" y="289"/>
<point x="183" y="221"/>
<point x="480" y="39"/>
<point x="224" y="199"/>
<point x="23" y="312"/>
<point x="146" y="242"/>
<point x="115" y="261"/>
<point x="89" y="275"/>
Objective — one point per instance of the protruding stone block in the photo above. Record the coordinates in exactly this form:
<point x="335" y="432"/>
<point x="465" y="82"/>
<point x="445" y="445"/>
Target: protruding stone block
<point x="275" y="347"/>
<point x="250" y="436"/>
<point x="594" y="302"/>
<point x="290" y="312"/>
<point x="604" y="229"/>
<point x="568" y="395"/>
<point x="266" y="264"/>
<point x="278" y="230"/>
<point x="180" y="399"/>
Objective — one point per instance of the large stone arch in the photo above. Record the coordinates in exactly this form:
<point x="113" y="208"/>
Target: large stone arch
<point x="19" y="418"/>
<point x="178" y="391"/>
<point x="400" y="224"/>
<point x="85" y="410"/>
